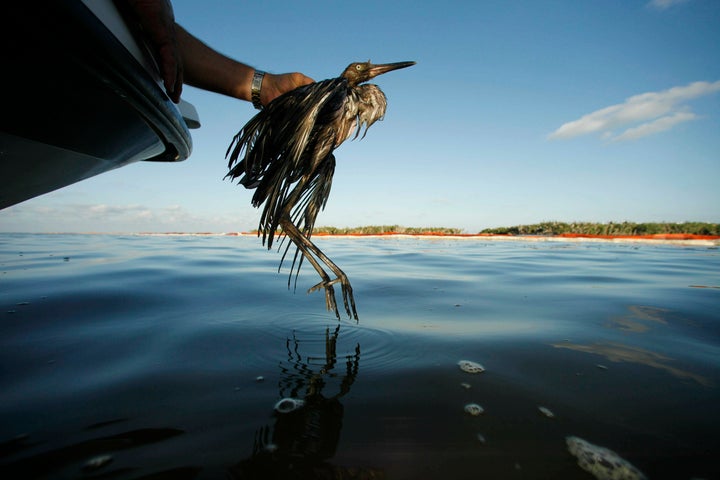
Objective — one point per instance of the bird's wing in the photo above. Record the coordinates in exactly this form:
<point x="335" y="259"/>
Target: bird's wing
<point x="298" y="182"/>
<point x="281" y="151"/>
<point x="278" y="133"/>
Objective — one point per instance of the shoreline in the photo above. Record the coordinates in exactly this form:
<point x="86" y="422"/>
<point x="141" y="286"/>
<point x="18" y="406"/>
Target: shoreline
<point x="656" y="239"/>
<point x="670" y="239"/>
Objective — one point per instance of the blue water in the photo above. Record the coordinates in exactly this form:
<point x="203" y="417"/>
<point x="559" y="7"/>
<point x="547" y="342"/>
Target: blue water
<point x="163" y="357"/>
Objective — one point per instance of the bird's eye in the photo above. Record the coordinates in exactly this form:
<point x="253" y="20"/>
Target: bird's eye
<point x="358" y="67"/>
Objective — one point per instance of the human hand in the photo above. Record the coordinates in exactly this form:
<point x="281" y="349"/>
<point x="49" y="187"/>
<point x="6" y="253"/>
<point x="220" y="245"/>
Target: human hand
<point x="158" y="22"/>
<point x="275" y="85"/>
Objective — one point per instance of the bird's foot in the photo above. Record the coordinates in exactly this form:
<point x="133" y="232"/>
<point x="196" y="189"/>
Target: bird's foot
<point x="331" y="303"/>
<point x="323" y="284"/>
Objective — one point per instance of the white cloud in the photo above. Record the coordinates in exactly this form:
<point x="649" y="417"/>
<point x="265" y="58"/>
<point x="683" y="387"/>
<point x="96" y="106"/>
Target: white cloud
<point x="641" y="115"/>
<point x="658" y="125"/>
<point x="32" y="217"/>
<point x="664" y="4"/>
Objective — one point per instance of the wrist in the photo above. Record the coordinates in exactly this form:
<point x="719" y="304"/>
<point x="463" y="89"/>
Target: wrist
<point x="256" y="88"/>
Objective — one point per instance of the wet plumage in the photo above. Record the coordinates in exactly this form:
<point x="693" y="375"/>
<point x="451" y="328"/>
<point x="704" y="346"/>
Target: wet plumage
<point x="285" y="153"/>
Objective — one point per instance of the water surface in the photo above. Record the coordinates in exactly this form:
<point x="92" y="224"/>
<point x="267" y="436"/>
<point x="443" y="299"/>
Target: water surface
<point x="163" y="356"/>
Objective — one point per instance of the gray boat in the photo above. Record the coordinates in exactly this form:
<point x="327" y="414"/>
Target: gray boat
<point x="81" y="96"/>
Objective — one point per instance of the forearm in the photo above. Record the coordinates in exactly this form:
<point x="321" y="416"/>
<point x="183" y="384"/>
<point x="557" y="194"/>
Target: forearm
<point x="210" y="70"/>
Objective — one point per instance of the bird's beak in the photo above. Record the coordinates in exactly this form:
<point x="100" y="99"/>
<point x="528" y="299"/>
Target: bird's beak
<point x="376" y="70"/>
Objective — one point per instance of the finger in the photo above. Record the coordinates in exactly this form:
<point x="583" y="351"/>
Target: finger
<point x="178" y="83"/>
<point x="170" y="72"/>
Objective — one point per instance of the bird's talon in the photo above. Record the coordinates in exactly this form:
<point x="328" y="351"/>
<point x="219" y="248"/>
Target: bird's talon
<point x="331" y="302"/>
<point x="323" y="284"/>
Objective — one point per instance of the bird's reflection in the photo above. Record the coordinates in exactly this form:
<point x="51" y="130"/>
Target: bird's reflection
<point x="308" y="418"/>
<point x="311" y="372"/>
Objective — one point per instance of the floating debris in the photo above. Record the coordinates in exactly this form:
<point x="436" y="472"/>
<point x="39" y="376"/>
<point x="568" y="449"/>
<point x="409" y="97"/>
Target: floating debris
<point x="602" y="463"/>
<point x="98" y="462"/>
<point x="546" y="411"/>
<point x="470" y="367"/>
<point x="287" y="405"/>
<point x="601" y="366"/>
<point x="474" y="409"/>
<point x="259" y="378"/>
<point x="466" y="386"/>
<point x="481" y="438"/>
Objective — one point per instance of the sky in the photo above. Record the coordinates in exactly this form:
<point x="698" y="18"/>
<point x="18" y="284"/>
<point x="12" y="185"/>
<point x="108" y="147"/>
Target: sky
<point x="516" y="112"/>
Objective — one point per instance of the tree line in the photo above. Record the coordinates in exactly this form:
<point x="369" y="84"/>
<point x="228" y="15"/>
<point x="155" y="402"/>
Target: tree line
<point x="543" y="228"/>
<point x="611" y="228"/>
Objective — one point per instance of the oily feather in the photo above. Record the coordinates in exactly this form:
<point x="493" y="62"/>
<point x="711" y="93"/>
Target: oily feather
<point x="285" y="152"/>
<point x="281" y="148"/>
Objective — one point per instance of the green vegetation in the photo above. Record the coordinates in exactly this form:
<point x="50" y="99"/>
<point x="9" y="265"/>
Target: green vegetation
<point x="624" y="228"/>
<point x="544" y="228"/>
<point x="385" y="229"/>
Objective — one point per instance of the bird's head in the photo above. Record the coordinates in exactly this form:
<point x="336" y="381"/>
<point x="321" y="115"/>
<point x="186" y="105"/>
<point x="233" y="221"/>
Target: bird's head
<point x="357" y="73"/>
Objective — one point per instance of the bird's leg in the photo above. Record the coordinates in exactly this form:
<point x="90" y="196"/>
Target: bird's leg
<point x="310" y="251"/>
<point x="297" y="238"/>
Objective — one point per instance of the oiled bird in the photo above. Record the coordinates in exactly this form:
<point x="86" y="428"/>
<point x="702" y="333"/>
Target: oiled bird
<point x="285" y="153"/>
